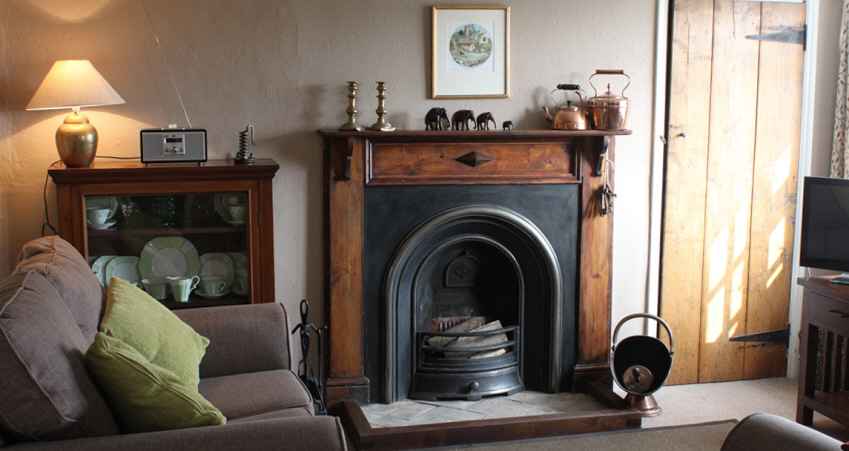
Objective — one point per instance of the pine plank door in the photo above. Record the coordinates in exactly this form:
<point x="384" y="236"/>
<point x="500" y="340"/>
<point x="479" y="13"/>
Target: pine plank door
<point x="734" y="117"/>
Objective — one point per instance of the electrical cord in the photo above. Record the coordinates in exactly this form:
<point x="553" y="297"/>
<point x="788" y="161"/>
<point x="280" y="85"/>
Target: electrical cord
<point x="46" y="213"/>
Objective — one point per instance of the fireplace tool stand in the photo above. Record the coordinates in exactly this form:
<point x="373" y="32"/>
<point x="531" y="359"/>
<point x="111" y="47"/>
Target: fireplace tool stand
<point x="305" y="371"/>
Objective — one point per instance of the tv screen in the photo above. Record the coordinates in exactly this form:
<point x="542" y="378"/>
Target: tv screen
<point x="825" y="224"/>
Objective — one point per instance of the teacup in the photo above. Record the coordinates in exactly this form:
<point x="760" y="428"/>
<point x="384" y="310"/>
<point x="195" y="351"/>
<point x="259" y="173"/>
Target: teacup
<point x="213" y="285"/>
<point x="237" y="212"/>
<point x="181" y="287"/>
<point x="98" y="215"/>
<point x="156" y="287"/>
<point x="243" y="284"/>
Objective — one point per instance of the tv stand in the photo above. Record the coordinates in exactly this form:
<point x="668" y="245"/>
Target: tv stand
<point x="824" y="386"/>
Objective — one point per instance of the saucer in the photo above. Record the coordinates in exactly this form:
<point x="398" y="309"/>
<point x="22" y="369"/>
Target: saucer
<point x="105" y="225"/>
<point x="239" y="292"/>
<point x="212" y="296"/>
<point x="235" y="223"/>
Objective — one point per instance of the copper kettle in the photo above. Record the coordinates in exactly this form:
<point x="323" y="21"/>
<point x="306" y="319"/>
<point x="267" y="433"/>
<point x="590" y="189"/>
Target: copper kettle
<point x="608" y="111"/>
<point x="568" y="117"/>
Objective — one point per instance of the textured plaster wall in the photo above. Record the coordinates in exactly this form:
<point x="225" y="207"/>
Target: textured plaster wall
<point x="282" y="66"/>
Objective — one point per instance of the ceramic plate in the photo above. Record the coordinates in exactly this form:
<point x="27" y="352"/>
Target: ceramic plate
<point x="103" y="226"/>
<point x="102" y="202"/>
<point x="217" y="264"/>
<point x="99" y="267"/>
<point x="240" y="259"/>
<point x="225" y="200"/>
<point x="124" y="268"/>
<point x="239" y="292"/>
<point x="200" y="293"/>
<point x="168" y="257"/>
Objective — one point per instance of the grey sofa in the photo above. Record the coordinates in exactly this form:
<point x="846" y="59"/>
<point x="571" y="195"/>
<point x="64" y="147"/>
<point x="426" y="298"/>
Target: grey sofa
<point x="764" y="431"/>
<point x="50" y="307"/>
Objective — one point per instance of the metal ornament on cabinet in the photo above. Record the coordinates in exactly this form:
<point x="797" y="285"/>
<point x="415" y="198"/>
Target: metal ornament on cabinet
<point x="381" y="125"/>
<point x="242" y="156"/>
<point x="352" y="125"/>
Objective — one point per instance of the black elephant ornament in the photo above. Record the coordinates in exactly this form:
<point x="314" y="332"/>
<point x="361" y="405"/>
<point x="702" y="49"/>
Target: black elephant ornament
<point x="460" y="120"/>
<point x="436" y="119"/>
<point x="484" y="120"/>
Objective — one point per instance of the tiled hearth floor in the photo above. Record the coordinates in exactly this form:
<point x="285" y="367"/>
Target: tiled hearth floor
<point x="526" y="403"/>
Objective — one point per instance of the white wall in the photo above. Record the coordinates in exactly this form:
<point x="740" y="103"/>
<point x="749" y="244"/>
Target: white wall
<point x="282" y="66"/>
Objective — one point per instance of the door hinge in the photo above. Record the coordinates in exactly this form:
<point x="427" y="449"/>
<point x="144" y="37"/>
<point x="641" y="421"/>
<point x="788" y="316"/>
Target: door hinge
<point x="781" y="336"/>
<point x="793" y="35"/>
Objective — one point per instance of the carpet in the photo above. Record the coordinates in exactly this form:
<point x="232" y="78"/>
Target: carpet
<point x="704" y="436"/>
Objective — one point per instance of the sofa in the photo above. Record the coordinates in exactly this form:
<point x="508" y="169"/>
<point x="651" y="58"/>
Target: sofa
<point x="50" y="311"/>
<point x="765" y="431"/>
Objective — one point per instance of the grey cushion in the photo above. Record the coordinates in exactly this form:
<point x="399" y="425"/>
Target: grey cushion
<point x="68" y="271"/>
<point x="247" y="395"/>
<point x="764" y="431"/>
<point x="46" y="393"/>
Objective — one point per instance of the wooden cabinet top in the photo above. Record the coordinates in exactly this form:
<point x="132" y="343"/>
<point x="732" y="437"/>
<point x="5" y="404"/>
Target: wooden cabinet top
<point x="117" y="171"/>
<point x="824" y="285"/>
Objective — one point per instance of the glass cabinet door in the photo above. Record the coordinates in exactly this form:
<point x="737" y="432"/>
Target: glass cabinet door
<point x="185" y="250"/>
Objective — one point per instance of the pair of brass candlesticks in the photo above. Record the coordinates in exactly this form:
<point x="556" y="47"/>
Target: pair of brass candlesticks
<point x="381" y="125"/>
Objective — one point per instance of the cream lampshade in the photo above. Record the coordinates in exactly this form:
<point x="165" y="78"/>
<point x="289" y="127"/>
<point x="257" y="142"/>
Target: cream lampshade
<point x="74" y="84"/>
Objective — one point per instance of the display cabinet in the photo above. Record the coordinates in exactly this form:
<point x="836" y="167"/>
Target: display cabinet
<point x="151" y="224"/>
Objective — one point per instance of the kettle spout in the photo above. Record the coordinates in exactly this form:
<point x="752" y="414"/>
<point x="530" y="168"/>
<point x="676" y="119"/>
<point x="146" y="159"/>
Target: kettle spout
<point x="548" y="114"/>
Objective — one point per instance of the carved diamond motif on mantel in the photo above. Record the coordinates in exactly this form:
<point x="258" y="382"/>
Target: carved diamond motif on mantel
<point x="474" y="159"/>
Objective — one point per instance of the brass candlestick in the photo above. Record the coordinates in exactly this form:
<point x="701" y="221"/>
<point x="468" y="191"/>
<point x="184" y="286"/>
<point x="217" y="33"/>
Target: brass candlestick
<point x="352" y="125"/>
<point x="381" y="124"/>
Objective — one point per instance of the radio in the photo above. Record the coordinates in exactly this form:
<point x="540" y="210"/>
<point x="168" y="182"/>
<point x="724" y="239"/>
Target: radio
<point x="172" y="145"/>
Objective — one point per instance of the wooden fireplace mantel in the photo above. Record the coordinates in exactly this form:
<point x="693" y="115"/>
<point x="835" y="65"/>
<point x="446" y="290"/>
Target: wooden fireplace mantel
<point x="354" y="160"/>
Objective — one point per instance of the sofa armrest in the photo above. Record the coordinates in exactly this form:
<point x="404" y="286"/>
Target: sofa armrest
<point x="301" y="433"/>
<point x="775" y="433"/>
<point x="242" y="338"/>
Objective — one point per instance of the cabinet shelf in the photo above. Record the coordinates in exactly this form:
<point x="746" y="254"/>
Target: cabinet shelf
<point x="175" y="201"/>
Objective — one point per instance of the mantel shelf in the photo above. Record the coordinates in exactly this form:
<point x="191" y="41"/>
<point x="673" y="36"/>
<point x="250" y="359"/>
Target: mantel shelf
<point x="473" y="135"/>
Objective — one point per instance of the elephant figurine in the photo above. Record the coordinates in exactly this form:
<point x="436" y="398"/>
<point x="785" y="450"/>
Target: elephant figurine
<point x="434" y="119"/>
<point x="460" y="120"/>
<point x="483" y="121"/>
<point x="507" y="125"/>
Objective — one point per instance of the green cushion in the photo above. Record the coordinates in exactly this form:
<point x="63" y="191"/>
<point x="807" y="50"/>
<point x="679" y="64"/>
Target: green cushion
<point x="143" y="396"/>
<point x="154" y="331"/>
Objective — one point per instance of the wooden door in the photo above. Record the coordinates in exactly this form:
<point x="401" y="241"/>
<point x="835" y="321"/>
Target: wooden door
<point x="734" y="119"/>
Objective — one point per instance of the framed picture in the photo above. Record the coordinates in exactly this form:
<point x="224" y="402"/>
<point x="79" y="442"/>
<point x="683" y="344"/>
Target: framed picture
<point x="471" y="52"/>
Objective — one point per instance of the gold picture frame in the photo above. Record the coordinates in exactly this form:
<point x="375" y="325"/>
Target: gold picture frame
<point x="471" y="52"/>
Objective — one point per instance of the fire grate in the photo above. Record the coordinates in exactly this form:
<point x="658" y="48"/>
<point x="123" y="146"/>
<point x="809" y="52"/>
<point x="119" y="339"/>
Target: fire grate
<point x="449" y="365"/>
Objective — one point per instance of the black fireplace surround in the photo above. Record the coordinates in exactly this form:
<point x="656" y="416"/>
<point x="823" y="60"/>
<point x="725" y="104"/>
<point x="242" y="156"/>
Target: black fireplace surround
<point x="526" y="238"/>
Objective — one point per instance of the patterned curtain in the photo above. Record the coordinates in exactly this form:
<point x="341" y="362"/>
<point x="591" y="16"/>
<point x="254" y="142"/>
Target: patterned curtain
<point x="840" y="147"/>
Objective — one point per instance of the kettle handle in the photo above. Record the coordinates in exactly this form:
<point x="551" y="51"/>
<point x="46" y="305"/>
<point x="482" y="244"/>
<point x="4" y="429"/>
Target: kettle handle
<point x="610" y="72"/>
<point x="644" y="315"/>
<point x="569" y="87"/>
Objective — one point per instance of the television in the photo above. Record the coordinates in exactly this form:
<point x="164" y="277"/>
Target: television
<point x="825" y="224"/>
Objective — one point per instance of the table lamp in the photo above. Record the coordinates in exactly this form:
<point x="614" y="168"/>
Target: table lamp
<point x="74" y="84"/>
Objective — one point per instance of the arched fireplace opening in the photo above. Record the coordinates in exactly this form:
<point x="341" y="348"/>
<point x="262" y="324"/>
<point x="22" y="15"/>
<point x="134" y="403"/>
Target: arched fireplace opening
<point x="484" y="265"/>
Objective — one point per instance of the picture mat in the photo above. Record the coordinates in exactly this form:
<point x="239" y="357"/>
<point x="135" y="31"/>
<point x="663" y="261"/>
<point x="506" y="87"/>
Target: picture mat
<point x="470" y="84"/>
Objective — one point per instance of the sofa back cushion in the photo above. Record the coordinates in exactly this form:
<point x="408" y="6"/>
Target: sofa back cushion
<point x="46" y="393"/>
<point x="68" y="271"/>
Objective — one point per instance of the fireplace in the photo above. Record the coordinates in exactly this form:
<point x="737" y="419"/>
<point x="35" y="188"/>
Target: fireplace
<point x="425" y="229"/>
<point x="471" y="254"/>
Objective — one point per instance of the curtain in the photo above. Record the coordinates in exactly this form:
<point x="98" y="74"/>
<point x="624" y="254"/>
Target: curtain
<point x="840" y="146"/>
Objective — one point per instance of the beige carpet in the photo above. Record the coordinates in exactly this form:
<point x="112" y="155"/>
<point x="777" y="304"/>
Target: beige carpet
<point x="706" y="436"/>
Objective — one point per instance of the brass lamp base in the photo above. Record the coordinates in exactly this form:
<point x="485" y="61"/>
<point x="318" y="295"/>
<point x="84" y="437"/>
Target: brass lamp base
<point x="646" y="404"/>
<point x="76" y="141"/>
